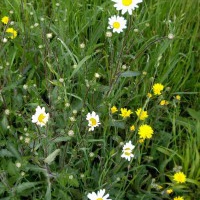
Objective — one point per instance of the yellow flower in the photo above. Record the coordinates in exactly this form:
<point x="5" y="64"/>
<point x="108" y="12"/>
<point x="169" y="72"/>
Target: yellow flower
<point x="125" y="113"/>
<point x="169" y="191"/>
<point x="132" y="128"/>
<point x="178" y="198"/>
<point x="145" y="131"/>
<point x="114" y="109"/>
<point x="149" y="95"/>
<point x="13" y="32"/>
<point x="141" y="141"/>
<point x="180" y="177"/>
<point x="142" y="115"/>
<point x="178" y="97"/>
<point x="5" y="20"/>
<point x="157" y="88"/>
<point x="164" y="103"/>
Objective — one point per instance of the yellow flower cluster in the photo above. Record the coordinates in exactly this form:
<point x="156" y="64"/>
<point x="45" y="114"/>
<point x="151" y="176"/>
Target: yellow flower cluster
<point x="180" y="177"/>
<point x="164" y="103"/>
<point x="12" y="33"/>
<point x="157" y="88"/>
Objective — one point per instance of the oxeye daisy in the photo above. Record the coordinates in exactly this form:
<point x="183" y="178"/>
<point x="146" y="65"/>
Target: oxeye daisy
<point x="40" y="117"/>
<point x="126" y="5"/>
<point x="117" y="23"/>
<point x="98" y="196"/>
<point x="93" y="120"/>
<point x="127" y="151"/>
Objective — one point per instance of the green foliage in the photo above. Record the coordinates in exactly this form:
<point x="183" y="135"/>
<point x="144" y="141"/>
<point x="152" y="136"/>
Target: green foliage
<point x="78" y="69"/>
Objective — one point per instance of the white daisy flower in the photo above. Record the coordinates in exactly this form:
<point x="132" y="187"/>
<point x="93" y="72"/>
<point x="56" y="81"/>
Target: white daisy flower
<point x="93" y="120"/>
<point x="127" y="151"/>
<point x="117" y="23"/>
<point x="98" y="196"/>
<point x="126" y="5"/>
<point x="40" y="117"/>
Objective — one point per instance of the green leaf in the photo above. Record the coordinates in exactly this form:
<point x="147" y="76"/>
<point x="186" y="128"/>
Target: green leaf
<point x="193" y="113"/>
<point x="24" y="186"/>
<point x="129" y="74"/>
<point x="62" y="139"/>
<point x="6" y="153"/>
<point x="52" y="157"/>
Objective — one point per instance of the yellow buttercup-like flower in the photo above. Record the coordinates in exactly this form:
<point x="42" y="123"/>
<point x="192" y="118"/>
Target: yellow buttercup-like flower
<point x="12" y="32"/>
<point x="142" y="115"/>
<point x="180" y="177"/>
<point x="125" y="113"/>
<point x="145" y="131"/>
<point x="178" y="198"/>
<point x="178" y="97"/>
<point x="132" y="128"/>
<point x="157" y="88"/>
<point x="5" y="20"/>
<point x="113" y="109"/>
<point x="164" y="103"/>
<point x="169" y="191"/>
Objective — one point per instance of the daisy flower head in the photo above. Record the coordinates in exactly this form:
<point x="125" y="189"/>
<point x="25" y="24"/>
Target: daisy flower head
<point x="5" y="20"/>
<point x="125" y="113"/>
<point x="12" y="32"/>
<point x="93" y="120"/>
<point x="126" y="5"/>
<point x="100" y="195"/>
<point x="40" y="117"/>
<point x="142" y="115"/>
<point x="145" y="131"/>
<point x="127" y="151"/>
<point x="180" y="177"/>
<point x="117" y="23"/>
<point x="157" y="88"/>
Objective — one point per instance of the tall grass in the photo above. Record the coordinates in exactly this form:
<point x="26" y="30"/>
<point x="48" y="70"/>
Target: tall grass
<point x="56" y="73"/>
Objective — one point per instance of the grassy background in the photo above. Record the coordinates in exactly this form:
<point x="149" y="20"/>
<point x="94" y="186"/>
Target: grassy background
<point x="144" y="48"/>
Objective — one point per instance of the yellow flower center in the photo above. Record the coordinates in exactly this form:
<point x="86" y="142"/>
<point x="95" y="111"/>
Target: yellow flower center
<point x="93" y="121"/>
<point x="127" y="2"/>
<point x="116" y="25"/>
<point x="99" y="199"/>
<point x="127" y="149"/>
<point x="127" y="153"/>
<point x="41" y="118"/>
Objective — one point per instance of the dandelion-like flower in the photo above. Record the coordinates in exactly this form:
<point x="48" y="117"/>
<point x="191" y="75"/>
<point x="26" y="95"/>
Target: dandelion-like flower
<point x="113" y="109"/>
<point x="5" y="20"/>
<point x="180" y="177"/>
<point x="157" y="88"/>
<point x="132" y="128"/>
<point x="178" y="97"/>
<point x="142" y="115"/>
<point x="149" y="95"/>
<point x="126" y="5"/>
<point x="127" y="151"/>
<point x="40" y="117"/>
<point x="178" y="198"/>
<point x="169" y="191"/>
<point x="125" y="113"/>
<point x="164" y="103"/>
<point x="93" y="120"/>
<point x="12" y="32"/>
<point x="100" y="195"/>
<point x="117" y="23"/>
<point x="145" y="131"/>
